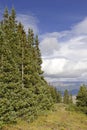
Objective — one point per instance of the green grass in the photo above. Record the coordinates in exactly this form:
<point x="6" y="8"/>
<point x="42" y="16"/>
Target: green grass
<point x="59" y="119"/>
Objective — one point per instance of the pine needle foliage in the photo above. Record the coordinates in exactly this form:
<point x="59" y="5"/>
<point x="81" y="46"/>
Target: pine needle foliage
<point x="23" y="91"/>
<point x="82" y="99"/>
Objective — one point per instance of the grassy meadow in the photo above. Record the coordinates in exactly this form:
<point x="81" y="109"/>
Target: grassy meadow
<point x="58" y="119"/>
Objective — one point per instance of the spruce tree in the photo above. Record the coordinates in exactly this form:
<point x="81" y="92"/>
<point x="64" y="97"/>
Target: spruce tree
<point x="23" y="91"/>
<point x="38" y="55"/>
<point x="70" y="99"/>
<point x="66" y="97"/>
<point x="56" y="95"/>
<point x="82" y="99"/>
<point x="9" y="79"/>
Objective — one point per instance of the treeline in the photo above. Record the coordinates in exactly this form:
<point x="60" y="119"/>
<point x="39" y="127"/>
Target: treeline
<point x="23" y="91"/>
<point x="82" y="99"/>
<point x="80" y="103"/>
<point x="56" y="95"/>
<point x="67" y="98"/>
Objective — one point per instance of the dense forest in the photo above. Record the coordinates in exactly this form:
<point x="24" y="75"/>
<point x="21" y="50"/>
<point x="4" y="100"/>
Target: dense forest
<point x="24" y="93"/>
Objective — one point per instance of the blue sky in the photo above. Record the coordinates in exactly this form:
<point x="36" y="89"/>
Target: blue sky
<point x="52" y="15"/>
<point x="62" y="29"/>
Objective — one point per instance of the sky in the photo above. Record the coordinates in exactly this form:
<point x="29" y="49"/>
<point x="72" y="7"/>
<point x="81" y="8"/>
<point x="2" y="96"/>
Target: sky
<point x="62" y="29"/>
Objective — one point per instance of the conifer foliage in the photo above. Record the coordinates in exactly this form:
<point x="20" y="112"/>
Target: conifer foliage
<point x="82" y="98"/>
<point x="23" y="91"/>
<point x="67" y="98"/>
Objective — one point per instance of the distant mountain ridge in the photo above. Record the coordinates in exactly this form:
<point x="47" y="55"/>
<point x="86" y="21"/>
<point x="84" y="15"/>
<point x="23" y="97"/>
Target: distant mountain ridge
<point x="71" y="86"/>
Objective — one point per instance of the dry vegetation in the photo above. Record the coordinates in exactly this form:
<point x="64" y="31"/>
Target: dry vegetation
<point x="59" y="119"/>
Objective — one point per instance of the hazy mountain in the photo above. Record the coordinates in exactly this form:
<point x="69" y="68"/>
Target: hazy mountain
<point x="71" y="86"/>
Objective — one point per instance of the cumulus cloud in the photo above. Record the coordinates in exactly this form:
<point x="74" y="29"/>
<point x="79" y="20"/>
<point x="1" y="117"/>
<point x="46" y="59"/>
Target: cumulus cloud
<point x="56" y="66"/>
<point x="80" y="28"/>
<point x="29" y="21"/>
<point x="65" y="53"/>
<point x="49" y="45"/>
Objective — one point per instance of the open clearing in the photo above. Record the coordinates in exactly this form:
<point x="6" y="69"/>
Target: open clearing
<point x="59" y="119"/>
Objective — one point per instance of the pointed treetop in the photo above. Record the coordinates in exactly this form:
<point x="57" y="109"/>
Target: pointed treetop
<point x="31" y="36"/>
<point x="13" y="13"/>
<point x="6" y="13"/>
<point x="36" y="40"/>
<point x="20" y="27"/>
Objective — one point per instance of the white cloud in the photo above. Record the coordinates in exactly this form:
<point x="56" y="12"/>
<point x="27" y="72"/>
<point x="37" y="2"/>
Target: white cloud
<point x="29" y="21"/>
<point x="49" y="45"/>
<point x="65" y="53"/>
<point x="80" y="28"/>
<point x="54" y="66"/>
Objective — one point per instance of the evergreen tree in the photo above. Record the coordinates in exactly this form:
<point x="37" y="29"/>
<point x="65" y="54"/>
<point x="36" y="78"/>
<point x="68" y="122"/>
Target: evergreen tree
<point x="66" y="97"/>
<point x="6" y="16"/>
<point x="59" y="97"/>
<point x="23" y="91"/>
<point x="38" y="55"/>
<point x="22" y="44"/>
<point x="56" y="95"/>
<point x="9" y="79"/>
<point x="82" y="99"/>
<point x="70" y="99"/>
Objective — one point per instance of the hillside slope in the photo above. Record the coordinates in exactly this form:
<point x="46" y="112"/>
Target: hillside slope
<point x="59" y="119"/>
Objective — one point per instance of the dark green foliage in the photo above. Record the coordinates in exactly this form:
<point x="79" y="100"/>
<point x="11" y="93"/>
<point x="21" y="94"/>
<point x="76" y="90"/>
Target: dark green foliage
<point x="82" y="99"/>
<point x="70" y="99"/>
<point x="66" y="97"/>
<point x="23" y="91"/>
<point x="38" y="55"/>
<point x="56" y="95"/>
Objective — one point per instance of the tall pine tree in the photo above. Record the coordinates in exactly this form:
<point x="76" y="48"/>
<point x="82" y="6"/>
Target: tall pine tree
<point x="23" y="91"/>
